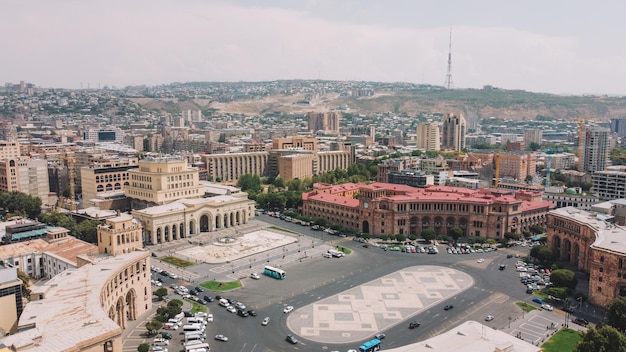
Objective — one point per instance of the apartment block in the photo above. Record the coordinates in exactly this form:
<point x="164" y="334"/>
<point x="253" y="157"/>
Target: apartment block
<point x="453" y="132"/>
<point x="610" y="184"/>
<point x="533" y="136"/>
<point x="595" y="149"/>
<point x="326" y="122"/>
<point x="428" y="137"/>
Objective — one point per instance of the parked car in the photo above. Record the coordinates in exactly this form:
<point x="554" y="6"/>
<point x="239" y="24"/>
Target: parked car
<point x="489" y="318"/>
<point x="252" y="312"/>
<point x="231" y="309"/>
<point x="547" y="307"/>
<point x="580" y="321"/>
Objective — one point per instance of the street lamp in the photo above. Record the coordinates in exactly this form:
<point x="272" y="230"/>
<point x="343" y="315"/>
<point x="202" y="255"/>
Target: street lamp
<point x="268" y="257"/>
<point x="250" y="263"/>
<point x="510" y="318"/>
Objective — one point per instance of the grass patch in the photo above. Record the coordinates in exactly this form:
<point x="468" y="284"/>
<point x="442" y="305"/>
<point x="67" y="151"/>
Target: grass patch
<point x="281" y="229"/>
<point x="344" y="250"/>
<point x="221" y="286"/>
<point x="541" y="294"/>
<point x="196" y="307"/>
<point x="181" y="263"/>
<point x="563" y="341"/>
<point x="526" y="307"/>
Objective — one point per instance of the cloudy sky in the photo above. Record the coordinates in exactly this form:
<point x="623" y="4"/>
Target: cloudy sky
<point x="555" y="46"/>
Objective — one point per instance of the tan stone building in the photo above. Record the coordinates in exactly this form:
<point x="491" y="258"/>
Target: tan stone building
<point x="86" y="308"/>
<point x="453" y="131"/>
<point x="229" y="167"/>
<point x="188" y="217"/>
<point x="162" y="180"/>
<point x="428" y="137"/>
<point x="327" y="122"/>
<point x="28" y="176"/>
<point x="518" y="166"/>
<point x="594" y="246"/>
<point x="9" y="150"/>
<point x="106" y="178"/>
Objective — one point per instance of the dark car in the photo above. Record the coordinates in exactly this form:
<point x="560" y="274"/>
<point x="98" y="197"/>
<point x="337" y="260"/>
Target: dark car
<point x="243" y="313"/>
<point x="509" y="255"/>
<point x="414" y="325"/>
<point x="166" y="335"/>
<point x="203" y="302"/>
<point x="580" y="321"/>
<point x="379" y="336"/>
<point x="569" y="309"/>
<point x="199" y="289"/>
<point x="154" y="254"/>
<point x="218" y="297"/>
<point x="448" y="307"/>
<point x="502" y="266"/>
<point x="164" y="273"/>
<point x="209" y="298"/>
<point x="252" y="313"/>
<point x="291" y="339"/>
<point x="188" y="314"/>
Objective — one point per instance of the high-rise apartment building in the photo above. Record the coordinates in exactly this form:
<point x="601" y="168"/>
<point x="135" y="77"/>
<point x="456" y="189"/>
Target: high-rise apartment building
<point x="28" y="176"/>
<point x="428" y="137"/>
<point x="533" y="136"/>
<point x="453" y="132"/>
<point x="9" y="150"/>
<point x="161" y="180"/>
<point x="595" y="149"/>
<point x="326" y="122"/>
<point x="517" y="165"/>
<point x="619" y="126"/>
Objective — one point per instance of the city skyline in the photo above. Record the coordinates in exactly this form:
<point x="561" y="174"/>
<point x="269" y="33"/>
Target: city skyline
<point x="542" y="47"/>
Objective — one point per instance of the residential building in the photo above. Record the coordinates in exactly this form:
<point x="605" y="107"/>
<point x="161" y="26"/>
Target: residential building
<point x="28" y="176"/>
<point x="9" y="150"/>
<point x="594" y="246"/>
<point x="409" y="177"/>
<point x="507" y="138"/>
<point x="595" y="149"/>
<point x="388" y="166"/>
<point x="325" y="122"/>
<point x="562" y="161"/>
<point x="610" y="183"/>
<point x="463" y="182"/>
<point x="533" y="136"/>
<point x="569" y="197"/>
<point x="428" y="137"/>
<point x="517" y="166"/>
<point x="229" y="167"/>
<point x="384" y="208"/>
<point x="104" y="135"/>
<point x="8" y="132"/>
<point x="162" y="180"/>
<point x="191" y="115"/>
<point x="618" y="126"/>
<point x="453" y="132"/>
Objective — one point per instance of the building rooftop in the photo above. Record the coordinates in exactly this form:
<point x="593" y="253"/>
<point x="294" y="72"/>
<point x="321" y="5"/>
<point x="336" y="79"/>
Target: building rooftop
<point x="71" y="314"/>
<point x="470" y="336"/>
<point x="67" y="248"/>
<point x="609" y="236"/>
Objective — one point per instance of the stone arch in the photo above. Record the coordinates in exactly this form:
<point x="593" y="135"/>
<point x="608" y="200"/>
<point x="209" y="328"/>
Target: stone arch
<point x="575" y="253"/>
<point x="463" y="224"/>
<point x="366" y="227"/>
<point x="174" y="233"/>
<point x="204" y="223"/>
<point x="131" y="305"/>
<point x="225" y="220"/>
<point x="450" y="221"/>
<point x="218" y="221"/>
<point x="232" y="220"/>
<point x="514" y="224"/>
<point x="192" y="227"/>
<point x="425" y="222"/>
<point x="112" y="313"/>
<point x="238" y="218"/>
<point x="566" y="253"/>
<point x="117" y="186"/>
<point x="100" y="188"/>
<point x="414" y="225"/>
<point x="556" y="246"/>
<point x="158" y="235"/>
<point x="109" y="187"/>
<point x="120" y="314"/>
<point x="166" y="233"/>
<point x="182" y="230"/>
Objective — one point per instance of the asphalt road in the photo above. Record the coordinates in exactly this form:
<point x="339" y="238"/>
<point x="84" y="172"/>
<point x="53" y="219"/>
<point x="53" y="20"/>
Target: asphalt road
<point x="493" y="293"/>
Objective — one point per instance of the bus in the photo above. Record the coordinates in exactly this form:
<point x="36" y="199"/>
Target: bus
<point x="197" y="347"/>
<point x="370" y="346"/>
<point x="274" y="272"/>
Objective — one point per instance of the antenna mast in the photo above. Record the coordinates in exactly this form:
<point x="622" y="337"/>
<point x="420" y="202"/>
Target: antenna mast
<point x="448" y="84"/>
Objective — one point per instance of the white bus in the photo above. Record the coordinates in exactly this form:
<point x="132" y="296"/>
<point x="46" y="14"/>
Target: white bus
<point x="274" y="272"/>
<point x="193" y="327"/>
<point x="335" y="253"/>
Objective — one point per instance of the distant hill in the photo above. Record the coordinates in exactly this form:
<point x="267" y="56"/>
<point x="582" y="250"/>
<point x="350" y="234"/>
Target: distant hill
<point x="486" y="102"/>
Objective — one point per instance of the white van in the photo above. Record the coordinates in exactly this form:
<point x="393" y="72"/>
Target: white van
<point x="195" y="333"/>
<point x="196" y="337"/>
<point x="224" y="302"/>
<point x="193" y="320"/>
<point x="175" y="321"/>
<point x="194" y="327"/>
<point x="326" y="255"/>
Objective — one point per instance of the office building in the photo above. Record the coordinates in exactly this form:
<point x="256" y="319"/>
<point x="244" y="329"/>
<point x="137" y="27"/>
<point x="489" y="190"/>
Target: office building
<point x="384" y="208"/>
<point x="428" y="137"/>
<point x="9" y="150"/>
<point x="106" y="179"/>
<point x="11" y="302"/>
<point x="610" y="183"/>
<point x="414" y="178"/>
<point x="595" y="149"/>
<point x="618" y="126"/>
<point x="104" y="135"/>
<point x="162" y="180"/>
<point x="325" y="122"/>
<point x="453" y="132"/>
<point x="533" y="136"/>
<point x="569" y="197"/>
<point x="516" y="166"/>
<point x="28" y="176"/>
<point x="561" y="161"/>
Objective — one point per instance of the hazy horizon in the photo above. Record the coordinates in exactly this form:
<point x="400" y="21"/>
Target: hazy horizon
<point x="556" y="47"/>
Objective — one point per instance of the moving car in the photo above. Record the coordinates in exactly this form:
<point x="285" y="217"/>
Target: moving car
<point x="291" y="339"/>
<point x="265" y="321"/>
<point x="379" y="336"/>
<point x="580" y="321"/>
<point x="288" y="309"/>
<point x="546" y="306"/>
<point x="489" y="318"/>
<point x="255" y="276"/>
<point x="209" y="318"/>
<point x="414" y="325"/>
<point x="448" y="307"/>
<point x="221" y="338"/>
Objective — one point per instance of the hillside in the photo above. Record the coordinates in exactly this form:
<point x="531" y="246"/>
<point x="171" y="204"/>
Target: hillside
<point x="487" y="102"/>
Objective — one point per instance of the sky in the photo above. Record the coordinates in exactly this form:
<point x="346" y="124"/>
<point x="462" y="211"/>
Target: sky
<point x="560" y="47"/>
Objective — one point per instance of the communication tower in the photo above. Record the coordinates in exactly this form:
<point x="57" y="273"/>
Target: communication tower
<point x="449" y="84"/>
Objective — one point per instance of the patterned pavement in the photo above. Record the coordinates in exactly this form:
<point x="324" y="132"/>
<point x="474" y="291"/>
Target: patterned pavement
<point x="358" y="313"/>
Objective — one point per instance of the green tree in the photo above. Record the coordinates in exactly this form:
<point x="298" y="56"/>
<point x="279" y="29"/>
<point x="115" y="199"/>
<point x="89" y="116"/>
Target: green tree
<point x="87" y="231"/>
<point x="279" y="182"/>
<point x="534" y="146"/>
<point x="563" y="278"/>
<point x="542" y="253"/>
<point x="428" y="235"/>
<point x="412" y="237"/>
<point x="21" y="204"/>
<point x="321" y="221"/>
<point x="250" y="182"/>
<point x="512" y="236"/>
<point x="144" y="347"/>
<point x="616" y="312"/>
<point x="160" y="292"/>
<point x="604" y="339"/>
<point x="456" y="233"/>
<point x="529" y="179"/>
<point x="25" y="282"/>
<point x="558" y="292"/>
<point x="536" y="229"/>
<point x="153" y="326"/>
<point x="400" y="237"/>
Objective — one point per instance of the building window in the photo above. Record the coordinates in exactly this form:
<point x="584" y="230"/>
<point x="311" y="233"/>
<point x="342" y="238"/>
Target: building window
<point x="599" y="289"/>
<point x="601" y="269"/>
<point x="602" y="259"/>
<point x="600" y="279"/>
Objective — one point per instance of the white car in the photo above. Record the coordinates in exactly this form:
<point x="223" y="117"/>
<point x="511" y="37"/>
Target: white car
<point x="209" y="318"/>
<point x="480" y="260"/>
<point x="201" y="315"/>
<point x="547" y="307"/>
<point x="288" y="309"/>
<point x="489" y="318"/>
<point x="231" y="309"/>
<point x="221" y="338"/>
<point x="266" y="321"/>
<point x="255" y="276"/>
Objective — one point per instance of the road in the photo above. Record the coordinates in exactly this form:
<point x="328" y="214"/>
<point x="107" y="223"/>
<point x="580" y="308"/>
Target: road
<point x="493" y="292"/>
